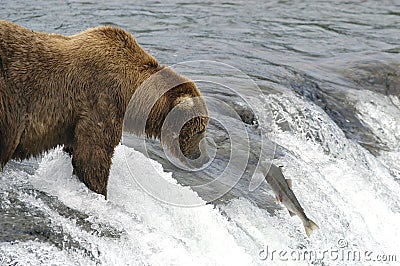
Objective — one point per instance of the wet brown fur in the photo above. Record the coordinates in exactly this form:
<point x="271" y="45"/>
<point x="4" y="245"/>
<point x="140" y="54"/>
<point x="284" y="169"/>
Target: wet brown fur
<point x="73" y="91"/>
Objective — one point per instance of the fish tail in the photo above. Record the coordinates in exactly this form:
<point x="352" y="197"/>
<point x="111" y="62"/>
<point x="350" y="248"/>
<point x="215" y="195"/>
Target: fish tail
<point x="310" y="226"/>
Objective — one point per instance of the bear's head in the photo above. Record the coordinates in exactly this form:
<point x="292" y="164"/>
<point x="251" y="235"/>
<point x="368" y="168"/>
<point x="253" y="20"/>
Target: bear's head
<point x="186" y="123"/>
<point x="170" y="107"/>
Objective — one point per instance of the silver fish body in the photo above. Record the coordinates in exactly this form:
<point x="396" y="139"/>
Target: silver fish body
<point x="283" y="191"/>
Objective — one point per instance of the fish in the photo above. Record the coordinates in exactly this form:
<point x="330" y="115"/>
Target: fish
<point x="284" y="194"/>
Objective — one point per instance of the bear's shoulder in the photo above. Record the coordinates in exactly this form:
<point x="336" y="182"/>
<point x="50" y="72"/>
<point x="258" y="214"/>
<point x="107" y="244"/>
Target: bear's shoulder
<point x="111" y="35"/>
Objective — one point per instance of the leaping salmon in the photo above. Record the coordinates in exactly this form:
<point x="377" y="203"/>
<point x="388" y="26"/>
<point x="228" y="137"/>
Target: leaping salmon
<point x="283" y="192"/>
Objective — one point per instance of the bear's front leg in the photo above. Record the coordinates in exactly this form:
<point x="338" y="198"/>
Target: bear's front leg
<point x="92" y="166"/>
<point x="92" y="154"/>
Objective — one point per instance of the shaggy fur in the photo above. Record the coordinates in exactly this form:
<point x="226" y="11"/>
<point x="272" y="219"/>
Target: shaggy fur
<point x="74" y="91"/>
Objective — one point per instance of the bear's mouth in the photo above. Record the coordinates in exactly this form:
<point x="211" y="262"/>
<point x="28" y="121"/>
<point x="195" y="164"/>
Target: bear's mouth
<point x="199" y="158"/>
<point x="193" y="156"/>
<point x="198" y="162"/>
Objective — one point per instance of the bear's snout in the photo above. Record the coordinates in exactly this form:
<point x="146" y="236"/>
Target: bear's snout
<point x="194" y="155"/>
<point x="197" y="154"/>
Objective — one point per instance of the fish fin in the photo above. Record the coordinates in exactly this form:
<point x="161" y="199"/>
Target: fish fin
<point x="291" y="213"/>
<point x="289" y="182"/>
<point x="310" y="227"/>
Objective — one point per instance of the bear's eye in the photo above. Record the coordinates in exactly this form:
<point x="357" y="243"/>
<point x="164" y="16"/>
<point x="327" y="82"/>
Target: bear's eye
<point x="152" y="64"/>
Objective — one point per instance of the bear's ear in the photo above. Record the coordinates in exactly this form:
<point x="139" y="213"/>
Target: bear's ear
<point x="184" y="102"/>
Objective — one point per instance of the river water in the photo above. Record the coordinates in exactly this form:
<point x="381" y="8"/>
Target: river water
<point x="317" y="82"/>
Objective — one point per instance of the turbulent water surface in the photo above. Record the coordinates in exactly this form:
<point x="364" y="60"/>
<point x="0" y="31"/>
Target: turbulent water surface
<point x="316" y="85"/>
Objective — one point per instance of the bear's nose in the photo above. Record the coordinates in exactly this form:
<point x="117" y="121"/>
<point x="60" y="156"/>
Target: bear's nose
<point x="199" y="159"/>
<point x="194" y="156"/>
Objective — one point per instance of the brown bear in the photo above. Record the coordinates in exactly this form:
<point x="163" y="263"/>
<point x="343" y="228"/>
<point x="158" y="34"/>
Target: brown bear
<point x="74" y="91"/>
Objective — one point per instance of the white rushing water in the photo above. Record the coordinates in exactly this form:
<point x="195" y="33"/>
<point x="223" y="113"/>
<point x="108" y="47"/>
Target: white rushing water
<point x="353" y="197"/>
